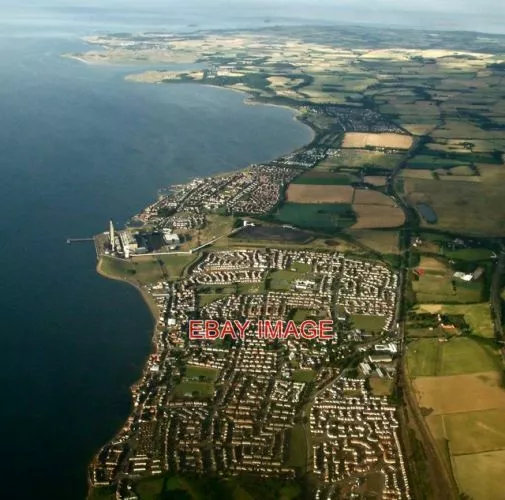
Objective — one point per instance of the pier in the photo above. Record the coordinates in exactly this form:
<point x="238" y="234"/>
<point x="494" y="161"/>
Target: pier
<point x="78" y="240"/>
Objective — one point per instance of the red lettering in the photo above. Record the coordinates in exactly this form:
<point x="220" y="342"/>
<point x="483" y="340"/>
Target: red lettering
<point x="196" y="329"/>
<point x="326" y="329"/>
<point x="266" y="330"/>
<point x="228" y="330"/>
<point x="242" y="327"/>
<point x="291" y="329"/>
<point x="308" y="329"/>
<point x="211" y="329"/>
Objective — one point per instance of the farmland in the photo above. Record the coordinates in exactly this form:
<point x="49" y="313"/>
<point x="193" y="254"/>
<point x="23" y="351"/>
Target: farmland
<point x="463" y="207"/>
<point x="385" y="242"/>
<point x="359" y="158"/>
<point x="434" y="282"/>
<point x="308" y="193"/>
<point x="430" y="357"/>
<point x="458" y="386"/>
<point x="326" y="217"/>
<point x="477" y="316"/>
<point x="377" y="216"/>
<point x="385" y="140"/>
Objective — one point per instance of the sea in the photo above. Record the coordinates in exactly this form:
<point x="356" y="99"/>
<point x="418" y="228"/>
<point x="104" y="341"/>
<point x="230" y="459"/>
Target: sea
<point x="78" y="146"/>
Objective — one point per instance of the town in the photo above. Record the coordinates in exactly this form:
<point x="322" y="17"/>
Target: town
<point x="229" y="406"/>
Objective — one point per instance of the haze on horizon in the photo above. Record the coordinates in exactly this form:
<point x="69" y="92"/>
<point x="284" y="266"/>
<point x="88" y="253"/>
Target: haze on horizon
<point x="485" y="15"/>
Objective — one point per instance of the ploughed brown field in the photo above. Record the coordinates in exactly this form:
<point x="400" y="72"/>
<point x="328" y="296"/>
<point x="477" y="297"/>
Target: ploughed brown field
<point x="308" y="193"/>
<point x="385" y="140"/>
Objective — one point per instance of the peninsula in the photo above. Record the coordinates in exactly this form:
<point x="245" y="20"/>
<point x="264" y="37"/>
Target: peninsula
<point x="385" y="225"/>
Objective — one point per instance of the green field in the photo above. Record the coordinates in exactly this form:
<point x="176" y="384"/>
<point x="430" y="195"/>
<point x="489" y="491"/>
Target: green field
<point x="440" y="287"/>
<point x="359" y="158"/>
<point x="369" y="323"/>
<point x="433" y="162"/>
<point x="191" y="487"/>
<point x="297" y="447"/>
<point x="468" y="254"/>
<point x="201" y="373"/>
<point x="146" y="269"/>
<point x="326" y="217"/>
<point x="194" y="389"/>
<point x="174" y="265"/>
<point x="430" y="357"/>
<point x="304" y="376"/>
<point x="282" y="280"/>
<point x="462" y="207"/>
<point x="477" y="316"/>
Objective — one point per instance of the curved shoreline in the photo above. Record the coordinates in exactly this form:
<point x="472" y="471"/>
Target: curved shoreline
<point x="249" y="100"/>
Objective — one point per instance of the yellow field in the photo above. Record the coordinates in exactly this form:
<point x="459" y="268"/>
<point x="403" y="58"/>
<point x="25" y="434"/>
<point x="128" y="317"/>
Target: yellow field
<point x="375" y="180"/>
<point x="369" y="197"/>
<point x="432" y="264"/>
<point x="418" y="129"/>
<point x="475" y="431"/>
<point x="480" y="475"/>
<point x="309" y="193"/>
<point x="377" y="216"/>
<point x="385" y="140"/>
<point x="467" y="392"/>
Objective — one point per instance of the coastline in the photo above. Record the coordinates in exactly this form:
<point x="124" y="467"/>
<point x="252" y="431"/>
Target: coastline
<point x="249" y="99"/>
<point x="155" y="313"/>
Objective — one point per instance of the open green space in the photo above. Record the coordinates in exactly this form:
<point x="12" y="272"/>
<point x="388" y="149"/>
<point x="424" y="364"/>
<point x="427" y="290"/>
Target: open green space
<point x="297" y="446"/>
<point x="201" y="373"/>
<point x="283" y="280"/>
<point x="304" y="375"/>
<point x="325" y="217"/>
<point x="205" y="299"/>
<point x="175" y="265"/>
<point x="145" y="271"/>
<point x="192" y="487"/>
<point x="194" y="389"/>
<point x="369" y="323"/>
<point x="209" y="293"/>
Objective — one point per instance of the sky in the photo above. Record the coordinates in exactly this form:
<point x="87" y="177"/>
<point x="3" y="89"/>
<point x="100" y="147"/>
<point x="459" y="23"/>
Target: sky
<point x="474" y="15"/>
